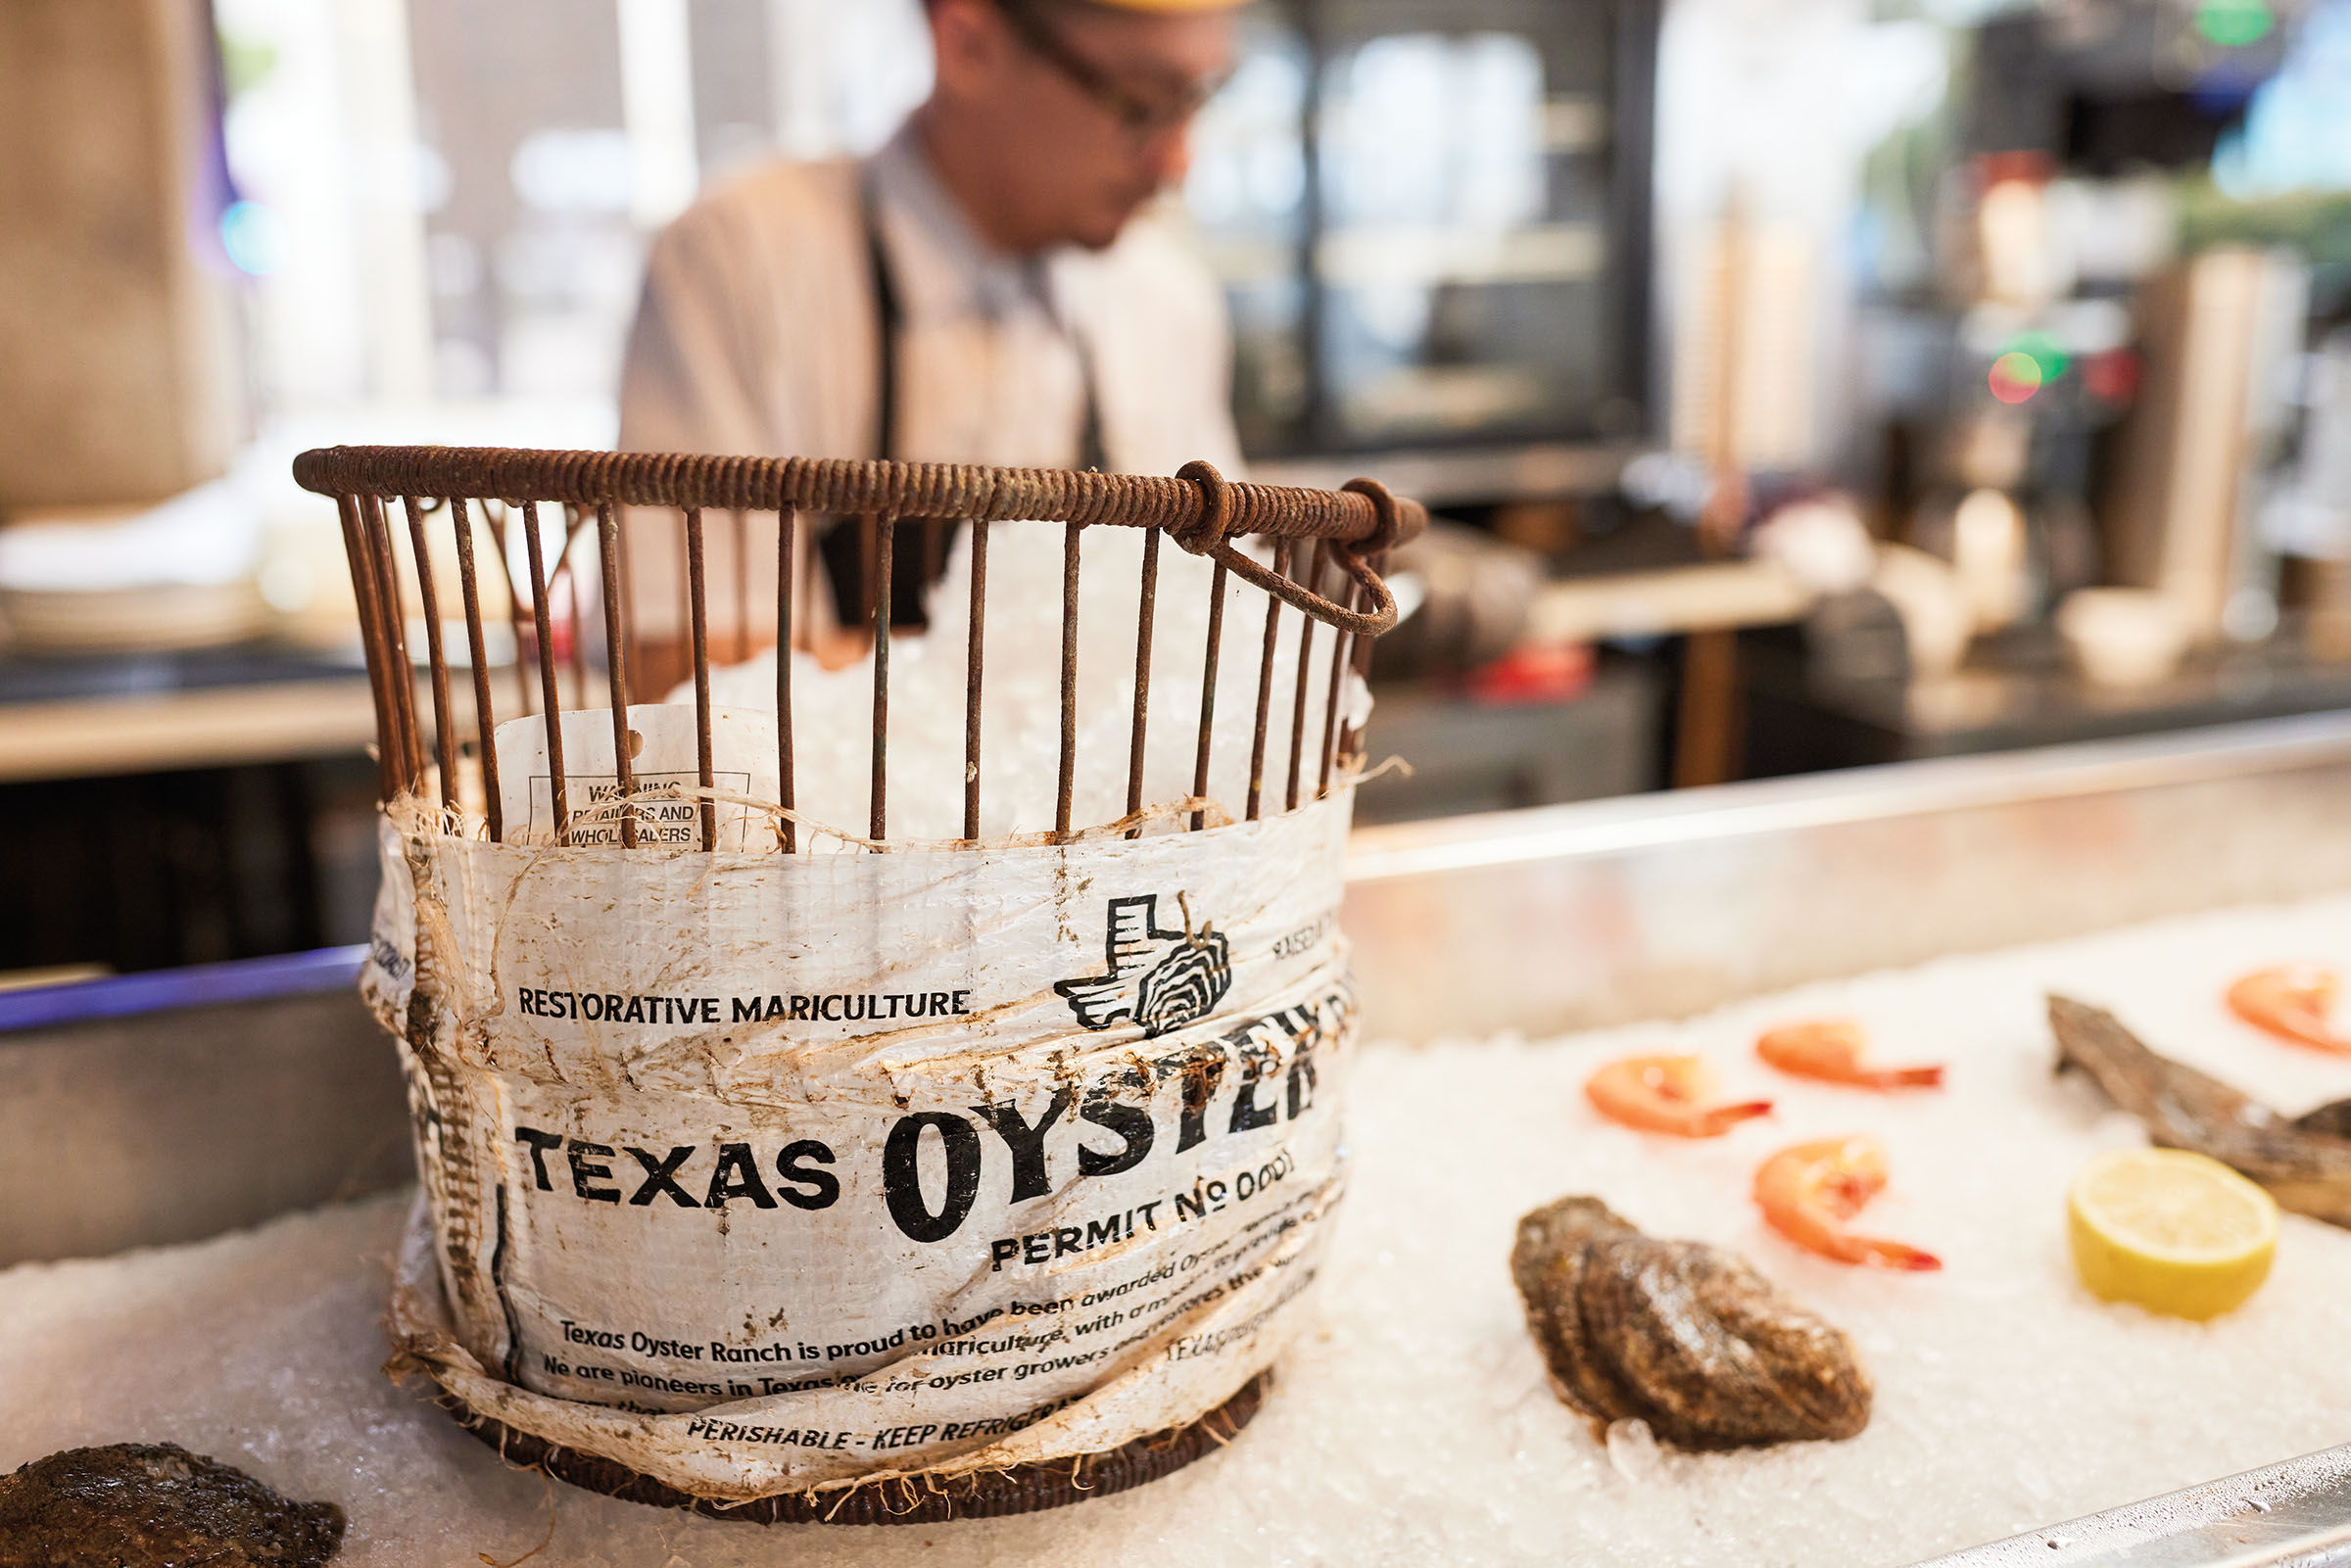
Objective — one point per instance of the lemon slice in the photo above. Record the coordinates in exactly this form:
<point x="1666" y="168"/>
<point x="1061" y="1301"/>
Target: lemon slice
<point x="2172" y="1231"/>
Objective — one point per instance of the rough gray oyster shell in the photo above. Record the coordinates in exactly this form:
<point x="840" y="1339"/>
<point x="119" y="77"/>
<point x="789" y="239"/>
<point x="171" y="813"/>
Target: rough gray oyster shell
<point x="1684" y="1336"/>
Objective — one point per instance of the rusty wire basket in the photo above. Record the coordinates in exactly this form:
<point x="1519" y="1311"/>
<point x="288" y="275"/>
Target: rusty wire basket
<point x="558" y="608"/>
<point x="1319" y="559"/>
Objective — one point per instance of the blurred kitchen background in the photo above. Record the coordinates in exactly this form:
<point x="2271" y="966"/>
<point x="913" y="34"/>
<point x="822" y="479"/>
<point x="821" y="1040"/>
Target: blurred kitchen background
<point x="1805" y="383"/>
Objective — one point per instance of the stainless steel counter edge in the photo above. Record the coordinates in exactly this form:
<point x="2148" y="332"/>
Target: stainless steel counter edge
<point x="1850" y="794"/>
<point x="1576" y="916"/>
<point x="2292" y="1515"/>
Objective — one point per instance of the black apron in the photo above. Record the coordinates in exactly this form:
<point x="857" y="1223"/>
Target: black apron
<point x="919" y="554"/>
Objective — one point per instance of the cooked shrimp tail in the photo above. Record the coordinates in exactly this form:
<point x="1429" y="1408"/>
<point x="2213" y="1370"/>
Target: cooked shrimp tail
<point x="1830" y="1050"/>
<point x="1666" y="1094"/>
<point x="2291" y="1001"/>
<point x="1722" y="1118"/>
<point x="1899" y="1254"/>
<point x="1809" y="1191"/>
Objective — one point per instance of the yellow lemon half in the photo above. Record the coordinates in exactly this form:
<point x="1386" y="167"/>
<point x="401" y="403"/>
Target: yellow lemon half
<point x="2175" y="1232"/>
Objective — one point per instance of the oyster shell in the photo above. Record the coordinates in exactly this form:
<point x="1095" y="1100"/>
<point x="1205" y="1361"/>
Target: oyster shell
<point x="2305" y="1163"/>
<point x="149" y="1506"/>
<point x="1685" y="1336"/>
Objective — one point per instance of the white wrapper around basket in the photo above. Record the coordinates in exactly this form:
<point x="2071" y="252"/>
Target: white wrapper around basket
<point x="760" y="1173"/>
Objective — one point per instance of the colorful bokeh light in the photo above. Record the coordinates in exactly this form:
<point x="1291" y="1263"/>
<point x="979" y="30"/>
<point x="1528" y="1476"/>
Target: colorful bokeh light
<point x="255" y="238"/>
<point x="2112" y="376"/>
<point x="2233" y="23"/>
<point x="2045" y="352"/>
<point x="2015" y="376"/>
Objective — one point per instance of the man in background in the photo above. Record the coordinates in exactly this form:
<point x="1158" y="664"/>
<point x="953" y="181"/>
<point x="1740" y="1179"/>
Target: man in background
<point x="985" y="289"/>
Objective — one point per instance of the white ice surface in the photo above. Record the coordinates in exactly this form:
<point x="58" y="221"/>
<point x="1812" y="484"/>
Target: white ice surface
<point x="1414" y="1427"/>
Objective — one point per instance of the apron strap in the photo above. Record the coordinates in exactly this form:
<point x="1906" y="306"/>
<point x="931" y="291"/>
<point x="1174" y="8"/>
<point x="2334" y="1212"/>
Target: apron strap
<point x="912" y="570"/>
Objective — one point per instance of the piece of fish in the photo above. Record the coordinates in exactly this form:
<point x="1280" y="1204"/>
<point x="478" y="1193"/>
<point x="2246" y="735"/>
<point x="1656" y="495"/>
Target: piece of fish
<point x="2304" y="1164"/>
<point x="1687" y="1337"/>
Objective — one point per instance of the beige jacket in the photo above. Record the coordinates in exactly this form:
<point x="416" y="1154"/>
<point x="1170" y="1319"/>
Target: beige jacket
<point x="756" y="334"/>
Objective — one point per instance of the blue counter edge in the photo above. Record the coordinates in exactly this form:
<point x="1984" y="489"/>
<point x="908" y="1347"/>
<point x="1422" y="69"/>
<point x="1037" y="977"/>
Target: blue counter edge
<point x="118" y="996"/>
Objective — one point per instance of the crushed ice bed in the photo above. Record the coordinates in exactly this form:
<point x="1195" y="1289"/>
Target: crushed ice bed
<point x="1412" y="1425"/>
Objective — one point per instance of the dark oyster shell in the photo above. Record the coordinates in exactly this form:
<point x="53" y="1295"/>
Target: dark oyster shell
<point x="2306" y="1163"/>
<point x="1687" y="1337"/>
<point x="156" y="1505"/>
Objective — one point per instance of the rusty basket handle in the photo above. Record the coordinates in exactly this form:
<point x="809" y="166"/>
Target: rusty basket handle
<point x="1198" y="507"/>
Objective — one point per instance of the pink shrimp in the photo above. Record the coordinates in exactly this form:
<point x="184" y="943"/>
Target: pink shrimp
<point x="1809" y="1191"/>
<point x="2291" y="1001"/>
<point x="1830" y="1050"/>
<point x="1666" y="1094"/>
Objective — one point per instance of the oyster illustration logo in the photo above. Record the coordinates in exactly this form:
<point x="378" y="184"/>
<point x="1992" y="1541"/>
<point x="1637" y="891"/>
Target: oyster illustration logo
<point x="1162" y="979"/>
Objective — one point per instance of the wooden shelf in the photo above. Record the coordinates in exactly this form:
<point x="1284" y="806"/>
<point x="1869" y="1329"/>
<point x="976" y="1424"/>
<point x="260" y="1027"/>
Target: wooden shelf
<point x="206" y="728"/>
<point x="1706" y="597"/>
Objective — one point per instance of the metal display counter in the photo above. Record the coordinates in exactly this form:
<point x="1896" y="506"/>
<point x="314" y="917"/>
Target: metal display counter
<point x="1598" y="913"/>
<point x="2292" y="1515"/>
<point x="1537" y="921"/>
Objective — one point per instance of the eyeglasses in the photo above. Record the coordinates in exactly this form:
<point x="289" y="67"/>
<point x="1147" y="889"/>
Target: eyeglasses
<point x="1139" y="116"/>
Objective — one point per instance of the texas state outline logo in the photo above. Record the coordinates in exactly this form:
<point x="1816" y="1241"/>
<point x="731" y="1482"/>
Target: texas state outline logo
<point x="1159" y="979"/>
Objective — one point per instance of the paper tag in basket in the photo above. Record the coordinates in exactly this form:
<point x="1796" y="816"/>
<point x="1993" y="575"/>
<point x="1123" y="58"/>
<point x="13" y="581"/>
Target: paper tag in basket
<point x="665" y="756"/>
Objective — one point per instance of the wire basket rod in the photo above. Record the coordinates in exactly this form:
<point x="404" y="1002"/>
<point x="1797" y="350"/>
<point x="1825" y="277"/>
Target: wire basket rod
<point x="1330" y="705"/>
<point x="428" y="594"/>
<point x="617" y="669"/>
<point x="699" y="620"/>
<point x="1306" y="664"/>
<point x="975" y="669"/>
<point x="1147" y="601"/>
<point x="1264" y="684"/>
<point x="884" y="532"/>
<point x="786" y="539"/>
<point x="363" y="592"/>
<point x="407" y="747"/>
<point x="1208" y="691"/>
<point x="558" y="797"/>
<point x="485" y="721"/>
<point x="1068" y="678"/>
